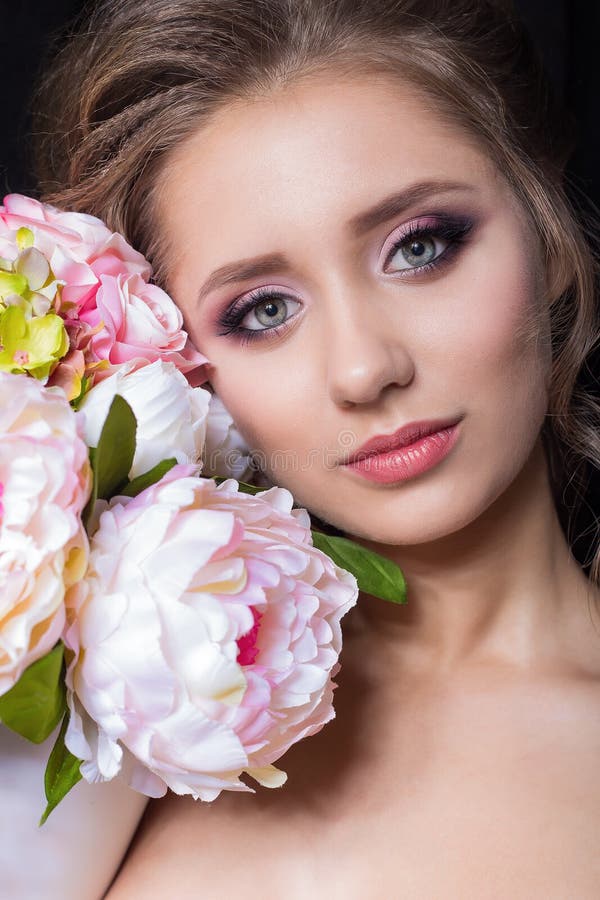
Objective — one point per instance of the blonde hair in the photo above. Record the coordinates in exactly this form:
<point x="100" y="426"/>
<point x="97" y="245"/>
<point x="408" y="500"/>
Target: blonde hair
<point x="137" y="78"/>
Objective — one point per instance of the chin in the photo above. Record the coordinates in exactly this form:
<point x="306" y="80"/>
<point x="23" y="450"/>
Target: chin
<point x="395" y="519"/>
<point x="405" y="533"/>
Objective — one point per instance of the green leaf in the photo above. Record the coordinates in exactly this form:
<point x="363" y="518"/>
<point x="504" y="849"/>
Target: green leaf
<point x="139" y="484"/>
<point x="77" y="401"/>
<point x="33" y="707"/>
<point x="111" y="460"/>
<point x="375" y="574"/>
<point x="116" y="448"/>
<point x="62" y="772"/>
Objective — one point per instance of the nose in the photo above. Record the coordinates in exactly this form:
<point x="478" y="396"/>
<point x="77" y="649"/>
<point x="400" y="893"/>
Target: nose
<point x="366" y="352"/>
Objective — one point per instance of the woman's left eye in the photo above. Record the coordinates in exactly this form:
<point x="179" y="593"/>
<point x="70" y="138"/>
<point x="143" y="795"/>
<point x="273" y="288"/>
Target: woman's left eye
<point x="427" y="244"/>
<point x="413" y="252"/>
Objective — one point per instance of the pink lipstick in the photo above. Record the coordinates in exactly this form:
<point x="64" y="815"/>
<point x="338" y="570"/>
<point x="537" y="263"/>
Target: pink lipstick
<point x="411" y="450"/>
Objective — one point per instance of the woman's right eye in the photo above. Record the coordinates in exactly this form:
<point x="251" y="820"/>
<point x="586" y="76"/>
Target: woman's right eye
<point x="264" y="310"/>
<point x="270" y="312"/>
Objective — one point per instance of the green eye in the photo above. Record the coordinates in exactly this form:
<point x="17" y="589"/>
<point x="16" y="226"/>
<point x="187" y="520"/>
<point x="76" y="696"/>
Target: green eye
<point x="268" y="312"/>
<point x="419" y="252"/>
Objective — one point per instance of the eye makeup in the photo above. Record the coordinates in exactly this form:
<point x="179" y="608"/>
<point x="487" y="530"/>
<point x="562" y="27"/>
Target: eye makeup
<point x="411" y="240"/>
<point x="451" y="231"/>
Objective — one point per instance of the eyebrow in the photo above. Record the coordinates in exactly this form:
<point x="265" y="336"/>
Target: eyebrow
<point x="397" y="203"/>
<point x="392" y="205"/>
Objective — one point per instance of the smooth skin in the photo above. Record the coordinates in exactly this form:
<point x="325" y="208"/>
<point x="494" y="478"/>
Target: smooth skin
<point x="463" y="760"/>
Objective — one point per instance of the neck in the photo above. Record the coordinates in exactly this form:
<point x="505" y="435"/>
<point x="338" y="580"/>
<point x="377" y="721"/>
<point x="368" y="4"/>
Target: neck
<point x="505" y="588"/>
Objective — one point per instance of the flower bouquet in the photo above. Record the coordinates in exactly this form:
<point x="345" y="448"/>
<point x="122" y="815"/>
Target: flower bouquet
<point x="182" y="625"/>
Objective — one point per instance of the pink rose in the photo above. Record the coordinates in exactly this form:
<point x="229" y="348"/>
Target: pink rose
<point x="205" y="638"/>
<point x="137" y="321"/>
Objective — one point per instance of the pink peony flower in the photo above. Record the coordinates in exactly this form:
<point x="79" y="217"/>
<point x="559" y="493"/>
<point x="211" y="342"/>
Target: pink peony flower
<point x="204" y="638"/>
<point x="45" y="482"/>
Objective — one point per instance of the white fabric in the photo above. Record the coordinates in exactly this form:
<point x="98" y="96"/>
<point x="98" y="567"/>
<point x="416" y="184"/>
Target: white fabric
<point x="75" y="855"/>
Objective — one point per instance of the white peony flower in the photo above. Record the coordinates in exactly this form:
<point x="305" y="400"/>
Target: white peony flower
<point x="225" y="452"/>
<point x="45" y="482"/>
<point x="171" y="415"/>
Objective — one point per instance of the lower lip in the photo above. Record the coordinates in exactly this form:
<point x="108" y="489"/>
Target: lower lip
<point x="407" y="462"/>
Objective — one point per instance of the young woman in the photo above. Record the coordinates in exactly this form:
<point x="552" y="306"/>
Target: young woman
<point x="359" y="207"/>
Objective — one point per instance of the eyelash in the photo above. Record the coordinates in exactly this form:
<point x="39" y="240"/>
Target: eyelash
<point x="452" y="231"/>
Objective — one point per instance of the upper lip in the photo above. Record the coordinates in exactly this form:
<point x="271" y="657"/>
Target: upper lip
<point x="402" y="437"/>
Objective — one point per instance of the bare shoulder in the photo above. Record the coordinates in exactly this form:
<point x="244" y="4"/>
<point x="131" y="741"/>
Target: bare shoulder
<point x="190" y="849"/>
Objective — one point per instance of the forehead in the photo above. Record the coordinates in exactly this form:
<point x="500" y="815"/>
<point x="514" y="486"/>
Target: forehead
<point x="322" y="144"/>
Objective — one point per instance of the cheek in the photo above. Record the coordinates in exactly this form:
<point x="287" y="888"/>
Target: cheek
<point x="501" y="370"/>
<point x="496" y="333"/>
<point x="264" y="398"/>
<point x="514" y="348"/>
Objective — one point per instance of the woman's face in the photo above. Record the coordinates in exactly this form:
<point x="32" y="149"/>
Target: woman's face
<point x="380" y="273"/>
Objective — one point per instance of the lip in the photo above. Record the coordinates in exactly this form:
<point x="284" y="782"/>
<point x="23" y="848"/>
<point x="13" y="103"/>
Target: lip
<point x="405" y="460"/>
<point x="403" y="437"/>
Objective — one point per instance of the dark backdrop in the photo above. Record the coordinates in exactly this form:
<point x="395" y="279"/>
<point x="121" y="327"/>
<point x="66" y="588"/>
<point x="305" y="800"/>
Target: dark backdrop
<point x="566" y="31"/>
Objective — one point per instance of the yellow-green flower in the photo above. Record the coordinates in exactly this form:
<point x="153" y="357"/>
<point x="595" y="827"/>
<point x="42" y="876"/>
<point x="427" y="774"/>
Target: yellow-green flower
<point x="32" y="346"/>
<point x="27" y="282"/>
